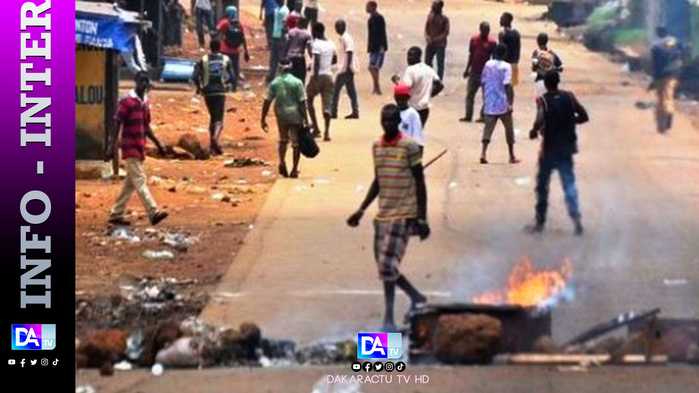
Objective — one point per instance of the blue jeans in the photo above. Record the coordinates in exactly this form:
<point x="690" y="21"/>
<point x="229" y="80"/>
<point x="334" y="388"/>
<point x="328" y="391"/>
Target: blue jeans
<point x="204" y="17"/>
<point x="564" y="165"/>
<point x="441" y="53"/>
<point x="345" y="79"/>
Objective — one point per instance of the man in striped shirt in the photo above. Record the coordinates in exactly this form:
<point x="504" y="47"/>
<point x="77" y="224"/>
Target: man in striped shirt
<point x="399" y="184"/>
<point x="133" y="118"/>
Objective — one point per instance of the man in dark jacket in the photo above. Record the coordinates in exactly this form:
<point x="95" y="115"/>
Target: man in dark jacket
<point x="666" y="54"/>
<point x="558" y="114"/>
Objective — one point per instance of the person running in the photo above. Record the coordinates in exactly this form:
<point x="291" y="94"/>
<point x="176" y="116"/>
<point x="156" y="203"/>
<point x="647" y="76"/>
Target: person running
<point x="410" y="124"/>
<point x="297" y="45"/>
<point x="133" y="121"/>
<point x="423" y="82"/>
<point x="558" y="114"/>
<point x="511" y="39"/>
<point x="278" y="42"/>
<point x="480" y="50"/>
<point x="212" y="75"/>
<point x="268" y="7"/>
<point x="436" y="33"/>
<point x="232" y="35"/>
<point x="498" y="96"/>
<point x="543" y="61"/>
<point x="399" y="184"/>
<point x="321" y="82"/>
<point x="377" y="43"/>
<point x="666" y="55"/>
<point x="349" y="67"/>
<point x="204" y="15"/>
<point x="289" y="96"/>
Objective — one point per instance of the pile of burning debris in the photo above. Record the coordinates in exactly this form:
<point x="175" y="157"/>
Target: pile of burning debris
<point x="513" y="326"/>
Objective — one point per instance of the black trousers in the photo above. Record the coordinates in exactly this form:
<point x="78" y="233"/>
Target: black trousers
<point x="216" y="105"/>
<point x="424" y="115"/>
<point x="298" y="68"/>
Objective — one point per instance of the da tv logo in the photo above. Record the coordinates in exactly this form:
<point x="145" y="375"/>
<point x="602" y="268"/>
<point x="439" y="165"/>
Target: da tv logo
<point x="33" y="337"/>
<point x="379" y="345"/>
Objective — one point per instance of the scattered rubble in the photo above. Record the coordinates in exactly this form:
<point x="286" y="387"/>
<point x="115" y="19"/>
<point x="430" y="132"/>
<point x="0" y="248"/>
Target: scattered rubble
<point x="245" y="162"/>
<point x="164" y="255"/>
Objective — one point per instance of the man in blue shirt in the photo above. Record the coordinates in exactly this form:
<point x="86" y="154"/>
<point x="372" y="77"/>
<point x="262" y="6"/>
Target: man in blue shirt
<point x="269" y="7"/>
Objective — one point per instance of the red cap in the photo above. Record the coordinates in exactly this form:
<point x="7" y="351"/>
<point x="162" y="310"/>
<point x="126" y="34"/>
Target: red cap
<point x="292" y="20"/>
<point x="401" y="90"/>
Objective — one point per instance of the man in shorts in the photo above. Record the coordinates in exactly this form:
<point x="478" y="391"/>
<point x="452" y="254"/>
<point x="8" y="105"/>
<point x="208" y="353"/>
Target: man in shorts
<point x="399" y="184"/>
<point x="321" y="83"/>
<point x="290" y="108"/>
<point x="377" y="43"/>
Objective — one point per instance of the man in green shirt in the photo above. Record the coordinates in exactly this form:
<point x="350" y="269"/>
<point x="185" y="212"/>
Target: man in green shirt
<point x="290" y="108"/>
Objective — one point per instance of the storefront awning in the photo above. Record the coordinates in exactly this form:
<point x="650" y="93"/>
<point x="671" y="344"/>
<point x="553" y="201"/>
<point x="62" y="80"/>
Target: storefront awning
<point x="103" y="25"/>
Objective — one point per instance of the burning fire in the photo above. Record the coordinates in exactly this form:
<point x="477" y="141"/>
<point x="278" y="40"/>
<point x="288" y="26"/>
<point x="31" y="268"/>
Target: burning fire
<point x="528" y="287"/>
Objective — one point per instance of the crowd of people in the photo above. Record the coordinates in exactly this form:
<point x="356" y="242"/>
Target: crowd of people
<point x="305" y="64"/>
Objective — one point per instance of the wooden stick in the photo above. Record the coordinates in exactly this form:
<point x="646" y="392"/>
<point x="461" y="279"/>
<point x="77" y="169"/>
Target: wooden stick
<point x="572" y="359"/>
<point x="435" y="159"/>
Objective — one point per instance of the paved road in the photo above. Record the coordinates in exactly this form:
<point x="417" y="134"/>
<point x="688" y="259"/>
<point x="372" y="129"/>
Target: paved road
<point x="304" y="275"/>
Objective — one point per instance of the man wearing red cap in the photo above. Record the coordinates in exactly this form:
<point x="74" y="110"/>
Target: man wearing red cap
<point x="410" y="125"/>
<point x="297" y="44"/>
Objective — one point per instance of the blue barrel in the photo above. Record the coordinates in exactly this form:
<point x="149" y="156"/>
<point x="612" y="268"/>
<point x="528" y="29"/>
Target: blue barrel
<point x="177" y="70"/>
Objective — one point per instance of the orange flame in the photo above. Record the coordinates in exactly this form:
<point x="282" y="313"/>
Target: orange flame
<point x="527" y="287"/>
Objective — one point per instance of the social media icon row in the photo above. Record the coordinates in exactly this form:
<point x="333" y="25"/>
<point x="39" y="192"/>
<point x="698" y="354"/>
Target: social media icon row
<point x="378" y="367"/>
<point x="32" y="362"/>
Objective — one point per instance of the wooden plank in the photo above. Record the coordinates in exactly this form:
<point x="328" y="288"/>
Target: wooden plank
<point x="573" y="359"/>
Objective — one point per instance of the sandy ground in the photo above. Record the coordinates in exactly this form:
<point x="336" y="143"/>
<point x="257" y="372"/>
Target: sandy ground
<point x="301" y="274"/>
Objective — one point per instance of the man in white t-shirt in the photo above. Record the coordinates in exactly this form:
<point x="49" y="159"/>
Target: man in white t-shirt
<point x="348" y="68"/>
<point x="321" y="82"/>
<point x="423" y="81"/>
<point x="498" y="96"/>
<point x="411" y="124"/>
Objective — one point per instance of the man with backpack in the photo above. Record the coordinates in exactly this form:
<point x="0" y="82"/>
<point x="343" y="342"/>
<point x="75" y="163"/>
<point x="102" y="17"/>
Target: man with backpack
<point x="212" y="74"/>
<point x="543" y="61"/>
<point x="232" y="35"/>
<point x="558" y="114"/>
<point x="666" y="54"/>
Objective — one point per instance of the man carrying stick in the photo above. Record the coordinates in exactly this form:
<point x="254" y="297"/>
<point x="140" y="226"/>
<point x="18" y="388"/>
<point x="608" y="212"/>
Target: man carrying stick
<point x="399" y="184"/>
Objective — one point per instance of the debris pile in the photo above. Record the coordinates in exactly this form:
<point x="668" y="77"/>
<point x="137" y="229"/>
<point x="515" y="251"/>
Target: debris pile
<point x="195" y="344"/>
<point x="174" y="238"/>
<point x="245" y="162"/>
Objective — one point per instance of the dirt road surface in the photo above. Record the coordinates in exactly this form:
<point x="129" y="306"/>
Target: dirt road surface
<point x="304" y="275"/>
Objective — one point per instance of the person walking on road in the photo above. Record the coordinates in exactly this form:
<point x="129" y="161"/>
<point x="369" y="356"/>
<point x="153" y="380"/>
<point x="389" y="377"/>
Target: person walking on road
<point x="377" y="43"/>
<point x="410" y="124"/>
<point x="513" y="42"/>
<point x="666" y="54"/>
<point x="310" y="11"/>
<point x="399" y="184"/>
<point x="212" y="76"/>
<point x="498" y="96"/>
<point x="133" y="121"/>
<point x="558" y="114"/>
<point x="321" y="82"/>
<point x="232" y="34"/>
<point x="423" y="81"/>
<point x="436" y="33"/>
<point x="204" y="15"/>
<point x="289" y="97"/>
<point x="298" y="44"/>
<point x="480" y="50"/>
<point x="349" y="67"/>
<point x="543" y="61"/>
<point x="278" y="42"/>
<point x="268" y="7"/>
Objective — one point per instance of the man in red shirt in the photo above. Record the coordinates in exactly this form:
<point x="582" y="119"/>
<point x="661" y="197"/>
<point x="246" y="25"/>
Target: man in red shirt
<point x="480" y="49"/>
<point x="232" y="34"/>
<point x="133" y="119"/>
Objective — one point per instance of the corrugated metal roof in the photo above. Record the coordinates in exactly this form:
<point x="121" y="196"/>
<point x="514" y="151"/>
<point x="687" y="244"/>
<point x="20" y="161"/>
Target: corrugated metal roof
<point x="107" y="9"/>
